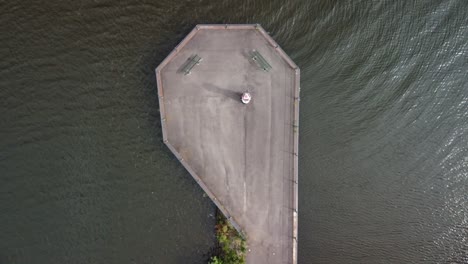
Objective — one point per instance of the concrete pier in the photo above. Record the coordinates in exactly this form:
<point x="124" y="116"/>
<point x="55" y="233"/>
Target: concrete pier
<point x="244" y="156"/>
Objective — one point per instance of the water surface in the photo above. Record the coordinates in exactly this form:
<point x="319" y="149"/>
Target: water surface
<point x="85" y="177"/>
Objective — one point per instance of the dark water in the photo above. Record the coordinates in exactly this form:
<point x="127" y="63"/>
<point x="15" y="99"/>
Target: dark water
<point x="85" y="178"/>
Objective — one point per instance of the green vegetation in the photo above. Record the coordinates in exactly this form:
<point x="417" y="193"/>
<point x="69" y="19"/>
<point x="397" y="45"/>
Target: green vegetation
<point x="231" y="244"/>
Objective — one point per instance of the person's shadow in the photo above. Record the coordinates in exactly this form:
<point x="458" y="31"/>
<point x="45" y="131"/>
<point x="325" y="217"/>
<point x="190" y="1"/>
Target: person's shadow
<point x="225" y="93"/>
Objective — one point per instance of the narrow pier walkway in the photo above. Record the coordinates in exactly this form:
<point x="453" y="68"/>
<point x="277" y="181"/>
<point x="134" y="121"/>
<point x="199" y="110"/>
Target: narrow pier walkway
<point x="244" y="156"/>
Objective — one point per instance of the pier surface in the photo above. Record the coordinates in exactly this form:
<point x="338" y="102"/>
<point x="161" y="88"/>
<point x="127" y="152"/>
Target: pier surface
<point x="243" y="156"/>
